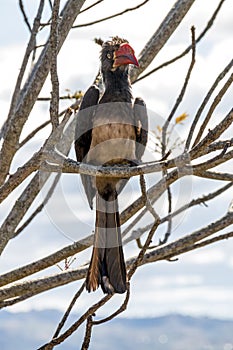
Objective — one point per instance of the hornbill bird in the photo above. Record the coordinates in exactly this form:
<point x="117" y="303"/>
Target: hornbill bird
<point x="111" y="130"/>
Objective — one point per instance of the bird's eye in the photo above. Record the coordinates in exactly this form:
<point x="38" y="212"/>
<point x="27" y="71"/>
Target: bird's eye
<point x="109" y="56"/>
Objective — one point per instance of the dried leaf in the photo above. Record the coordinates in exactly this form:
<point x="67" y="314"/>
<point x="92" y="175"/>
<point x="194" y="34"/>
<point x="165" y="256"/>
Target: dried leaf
<point x="181" y="118"/>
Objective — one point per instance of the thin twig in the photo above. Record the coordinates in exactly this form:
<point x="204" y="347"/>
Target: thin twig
<point x="204" y="103"/>
<point x="159" y="253"/>
<point x="79" y="246"/>
<point x="212" y="135"/>
<point x="67" y="313"/>
<point x="213" y="162"/>
<point x="204" y="243"/>
<point x="112" y="16"/>
<point x="91" y="6"/>
<point x="76" y="95"/>
<point x="21" y="5"/>
<point x="66" y="111"/>
<point x="141" y="254"/>
<point x="34" y="132"/>
<point x="160" y="37"/>
<point x="186" y="51"/>
<point x="181" y="95"/>
<point x="169" y="221"/>
<point x="33" y="188"/>
<point x="213" y="175"/>
<point x="220" y="145"/>
<point x="40" y="207"/>
<point x="46" y="262"/>
<point x="147" y="243"/>
<point x="75" y="325"/>
<point x="117" y="312"/>
<point x="87" y="337"/>
<point x="146" y="199"/>
<point x="194" y="202"/>
<point x="29" y="49"/>
<point x="20" y="175"/>
<point x="166" y="124"/>
<point x="32" y="88"/>
<point x="156" y="190"/>
<point x="185" y="243"/>
<point x="216" y="101"/>
<point x="13" y="301"/>
<point x="50" y="4"/>
<point x="32" y="164"/>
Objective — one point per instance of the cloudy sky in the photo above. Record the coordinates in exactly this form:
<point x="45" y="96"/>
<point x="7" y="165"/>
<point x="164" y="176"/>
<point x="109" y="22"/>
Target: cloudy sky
<point x="200" y="282"/>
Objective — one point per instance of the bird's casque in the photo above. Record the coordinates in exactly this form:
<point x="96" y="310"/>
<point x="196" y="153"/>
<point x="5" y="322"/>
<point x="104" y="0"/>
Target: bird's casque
<point x="117" y="53"/>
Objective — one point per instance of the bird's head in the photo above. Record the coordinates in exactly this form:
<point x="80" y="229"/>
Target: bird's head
<point x="117" y="54"/>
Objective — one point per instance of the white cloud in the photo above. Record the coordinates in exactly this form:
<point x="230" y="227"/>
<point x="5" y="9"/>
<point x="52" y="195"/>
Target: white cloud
<point x="209" y="256"/>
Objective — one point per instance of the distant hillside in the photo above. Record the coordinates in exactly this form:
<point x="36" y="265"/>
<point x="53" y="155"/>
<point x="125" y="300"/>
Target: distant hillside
<point x="28" y="331"/>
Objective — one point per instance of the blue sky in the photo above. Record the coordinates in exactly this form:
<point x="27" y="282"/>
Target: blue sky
<point x="200" y="282"/>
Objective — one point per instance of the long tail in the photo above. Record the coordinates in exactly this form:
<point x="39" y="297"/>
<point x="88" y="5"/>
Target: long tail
<point x="107" y="267"/>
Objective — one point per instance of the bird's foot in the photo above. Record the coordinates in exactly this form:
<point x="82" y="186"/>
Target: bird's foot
<point x="134" y="162"/>
<point x="107" y="287"/>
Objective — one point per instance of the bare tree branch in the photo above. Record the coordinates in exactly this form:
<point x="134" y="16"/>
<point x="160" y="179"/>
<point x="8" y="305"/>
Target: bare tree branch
<point x="167" y="122"/>
<point x="181" y="95"/>
<point x="21" y="5"/>
<point x="112" y="16"/>
<point x="87" y="337"/>
<point x="54" y="104"/>
<point x="91" y="6"/>
<point x="121" y="309"/>
<point x="64" y="318"/>
<point x="40" y="207"/>
<point x="160" y="37"/>
<point x="212" y="135"/>
<point x="74" y="327"/>
<point x="134" y="234"/>
<point x="212" y="108"/>
<point x="187" y="242"/>
<point x="29" y="49"/>
<point x="32" y="88"/>
<point x="26" y="199"/>
<point x="166" y="251"/>
<point x="186" y="51"/>
<point x="205" y="101"/>
<point x="46" y="262"/>
<point x="20" y="175"/>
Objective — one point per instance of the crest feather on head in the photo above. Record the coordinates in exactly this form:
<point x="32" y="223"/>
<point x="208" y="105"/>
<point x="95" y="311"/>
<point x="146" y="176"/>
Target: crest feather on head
<point x="115" y="40"/>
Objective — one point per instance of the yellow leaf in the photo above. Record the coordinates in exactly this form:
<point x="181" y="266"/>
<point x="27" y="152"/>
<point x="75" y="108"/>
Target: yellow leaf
<point x="78" y="94"/>
<point x="159" y="128"/>
<point x="181" y="118"/>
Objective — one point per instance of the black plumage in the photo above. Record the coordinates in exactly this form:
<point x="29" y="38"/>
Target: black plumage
<point x="110" y="130"/>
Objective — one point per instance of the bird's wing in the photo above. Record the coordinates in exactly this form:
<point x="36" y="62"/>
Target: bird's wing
<point x="83" y="134"/>
<point x="84" y="122"/>
<point x="141" y="126"/>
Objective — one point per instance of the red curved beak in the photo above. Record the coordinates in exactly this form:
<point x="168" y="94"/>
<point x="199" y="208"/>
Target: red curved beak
<point x="124" y="55"/>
